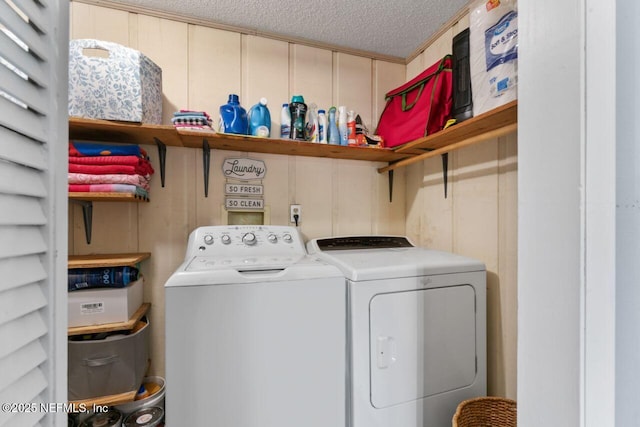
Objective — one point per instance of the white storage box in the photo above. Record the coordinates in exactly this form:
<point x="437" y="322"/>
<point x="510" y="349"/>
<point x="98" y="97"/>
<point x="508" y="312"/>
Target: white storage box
<point x="120" y="84"/>
<point x="104" y="305"/>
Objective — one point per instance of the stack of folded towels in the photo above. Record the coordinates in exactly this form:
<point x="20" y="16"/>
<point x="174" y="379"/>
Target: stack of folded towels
<point x="109" y="168"/>
<point x="192" y="120"/>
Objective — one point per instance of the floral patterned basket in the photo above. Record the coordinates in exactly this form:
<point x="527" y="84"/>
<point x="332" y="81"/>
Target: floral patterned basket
<point x="113" y="82"/>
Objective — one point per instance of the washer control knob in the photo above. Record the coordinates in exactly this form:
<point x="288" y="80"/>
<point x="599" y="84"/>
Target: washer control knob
<point x="272" y="238"/>
<point x="226" y="239"/>
<point x="208" y="239"/>
<point x="287" y="238"/>
<point x="249" y="239"/>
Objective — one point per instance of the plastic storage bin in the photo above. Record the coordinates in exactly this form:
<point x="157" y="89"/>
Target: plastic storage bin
<point x="112" y="365"/>
<point x="120" y="84"/>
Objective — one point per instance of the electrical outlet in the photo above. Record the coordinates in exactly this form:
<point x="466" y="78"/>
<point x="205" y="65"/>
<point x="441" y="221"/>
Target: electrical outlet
<point x="295" y="210"/>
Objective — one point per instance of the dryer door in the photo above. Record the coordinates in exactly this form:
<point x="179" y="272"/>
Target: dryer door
<point x="422" y="343"/>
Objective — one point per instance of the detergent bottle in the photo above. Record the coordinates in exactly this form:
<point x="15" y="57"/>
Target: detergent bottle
<point x="298" y="110"/>
<point x="312" y="125"/>
<point x="285" y="122"/>
<point x="233" y="116"/>
<point x="260" y="119"/>
<point x="322" y="127"/>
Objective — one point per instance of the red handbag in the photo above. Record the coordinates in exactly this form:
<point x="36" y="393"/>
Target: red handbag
<point x="419" y="107"/>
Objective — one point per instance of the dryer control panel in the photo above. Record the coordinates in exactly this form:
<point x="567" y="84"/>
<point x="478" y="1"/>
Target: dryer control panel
<point x="241" y="241"/>
<point x="360" y="242"/>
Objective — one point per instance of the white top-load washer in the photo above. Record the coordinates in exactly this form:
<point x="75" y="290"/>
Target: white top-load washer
<point x="416" y="328"/>
<point x="255" y="332"/>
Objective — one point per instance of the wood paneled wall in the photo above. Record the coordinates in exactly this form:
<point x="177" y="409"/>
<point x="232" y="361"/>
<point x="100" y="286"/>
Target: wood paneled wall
<point x="201" y="66"/>
<point x="477" y="219"/>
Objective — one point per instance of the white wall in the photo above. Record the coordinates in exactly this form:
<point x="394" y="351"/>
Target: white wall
<point x="550" y="116"/>
<point x="566" y="277"/>
<point x="627" y="215"/>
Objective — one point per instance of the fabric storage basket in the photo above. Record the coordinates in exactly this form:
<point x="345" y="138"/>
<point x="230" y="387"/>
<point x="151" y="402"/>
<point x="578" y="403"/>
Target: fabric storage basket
<point x="112" y="365"/>
<point x="120" y="84"/>
<point x="486" y="411"/>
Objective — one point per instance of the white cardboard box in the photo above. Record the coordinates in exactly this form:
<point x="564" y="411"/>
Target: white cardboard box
<point x="104" y="305"/>
<point x="113" y="82"/>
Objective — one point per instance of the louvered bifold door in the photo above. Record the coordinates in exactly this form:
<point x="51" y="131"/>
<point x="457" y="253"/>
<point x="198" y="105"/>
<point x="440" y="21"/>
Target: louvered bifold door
<point x="33" y="210"/>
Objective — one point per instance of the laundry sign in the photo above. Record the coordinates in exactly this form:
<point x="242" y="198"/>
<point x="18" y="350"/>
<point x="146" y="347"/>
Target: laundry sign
<point x="244" y="189"/>
<point x="244" y="168"/>
<point x="243" y="203"/>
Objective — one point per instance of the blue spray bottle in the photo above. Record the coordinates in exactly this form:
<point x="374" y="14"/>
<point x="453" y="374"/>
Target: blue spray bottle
<point x="333" y="133"/>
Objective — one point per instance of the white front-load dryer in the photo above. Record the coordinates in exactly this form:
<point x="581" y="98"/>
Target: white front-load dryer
<point x="416" y="329"/>
<point x="255" y="332"/>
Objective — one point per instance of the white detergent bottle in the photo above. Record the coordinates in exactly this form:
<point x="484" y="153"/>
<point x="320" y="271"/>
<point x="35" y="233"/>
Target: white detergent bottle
<point x="285" y="122"/>
<point x="342" y="125"/>
<point x="322" y="127"/>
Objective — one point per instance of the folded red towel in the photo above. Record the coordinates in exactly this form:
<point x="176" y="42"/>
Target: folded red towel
<point x="109" y="169"/>
<point x="107" y="160"/>
<point x="108" y="188"/>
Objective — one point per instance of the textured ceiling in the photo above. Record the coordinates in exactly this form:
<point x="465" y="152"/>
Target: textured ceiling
<point x="387" y="27"/>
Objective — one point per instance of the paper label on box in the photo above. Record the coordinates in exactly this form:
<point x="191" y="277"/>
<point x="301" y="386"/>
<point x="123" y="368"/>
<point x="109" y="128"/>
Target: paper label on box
<point x="92" y="308"/>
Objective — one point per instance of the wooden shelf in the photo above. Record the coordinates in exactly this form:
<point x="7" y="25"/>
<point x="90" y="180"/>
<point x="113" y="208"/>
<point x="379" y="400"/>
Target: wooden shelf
<point x="107" y="197"/>
<point x="107" y="260"/>
<point x="115" y="399"/>
<point x="110" y="131"/>
<point x="110" y="327"/>
<point x="492" y="124"/>
<point x="113" y="131"/>
<point x="491" y="120"/>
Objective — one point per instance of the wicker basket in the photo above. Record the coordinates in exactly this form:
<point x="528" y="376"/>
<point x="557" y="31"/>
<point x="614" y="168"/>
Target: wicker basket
<point x="486" y="412"/>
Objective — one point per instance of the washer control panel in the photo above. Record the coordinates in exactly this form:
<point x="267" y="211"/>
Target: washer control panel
<point x="246" y="242"/>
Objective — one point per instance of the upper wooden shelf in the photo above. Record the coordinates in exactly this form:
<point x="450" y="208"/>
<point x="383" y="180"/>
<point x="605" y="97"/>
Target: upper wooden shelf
<point x="497" y="118"/>
<point x="112" y="131"/>
<point x="107" y="260"/>
<point x="492" y="124"/>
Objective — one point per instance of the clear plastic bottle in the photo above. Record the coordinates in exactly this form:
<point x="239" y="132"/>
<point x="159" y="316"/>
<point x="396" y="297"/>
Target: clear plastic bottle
<point x="285" y="122"/>
<point x="322" y="127"/>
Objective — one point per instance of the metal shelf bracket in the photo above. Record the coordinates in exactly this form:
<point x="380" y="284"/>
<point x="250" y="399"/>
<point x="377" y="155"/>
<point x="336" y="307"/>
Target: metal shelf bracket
<point x="445" y="169"/>
<point x="206" y="163"/>
<point x="87" y="216"/>
<point x="162" y="154"/>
